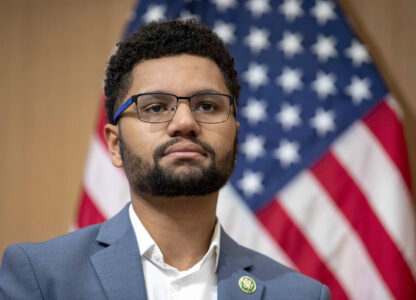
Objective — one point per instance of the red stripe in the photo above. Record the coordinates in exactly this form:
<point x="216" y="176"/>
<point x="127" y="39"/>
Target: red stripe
<point x="349" y="198"/>
<point x="88" y="213"/>
<point x="385" y="125"/>
<point x="293" y="242"/>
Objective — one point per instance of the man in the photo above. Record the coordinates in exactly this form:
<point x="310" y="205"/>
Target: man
<point x="172" y="95"/>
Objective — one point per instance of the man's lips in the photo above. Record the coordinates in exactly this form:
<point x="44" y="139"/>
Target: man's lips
<point x="181" y="150"/>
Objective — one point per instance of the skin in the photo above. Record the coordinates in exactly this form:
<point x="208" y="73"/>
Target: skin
<point x="172" y="221"/>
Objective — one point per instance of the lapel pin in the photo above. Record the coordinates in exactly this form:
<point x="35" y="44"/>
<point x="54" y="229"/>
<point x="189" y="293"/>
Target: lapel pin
<point x="247" y="284"/>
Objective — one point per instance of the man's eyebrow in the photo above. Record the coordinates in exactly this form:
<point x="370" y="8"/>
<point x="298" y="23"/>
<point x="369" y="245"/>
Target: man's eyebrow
<point x="197" y="92"/>
<point x="206" y="91"/>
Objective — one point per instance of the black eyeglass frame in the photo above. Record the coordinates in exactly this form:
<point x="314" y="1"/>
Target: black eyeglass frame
<point x="133" y="99"/>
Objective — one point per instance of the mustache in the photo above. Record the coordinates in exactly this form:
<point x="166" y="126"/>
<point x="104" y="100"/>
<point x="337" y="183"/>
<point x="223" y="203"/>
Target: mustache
<point x="160" y="150"/>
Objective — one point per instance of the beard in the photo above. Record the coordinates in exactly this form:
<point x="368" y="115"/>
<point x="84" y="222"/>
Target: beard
<point x="196" y="180"/>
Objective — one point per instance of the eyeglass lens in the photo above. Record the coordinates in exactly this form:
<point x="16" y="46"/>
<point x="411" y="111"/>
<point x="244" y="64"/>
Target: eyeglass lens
<point x="208" y="108"/>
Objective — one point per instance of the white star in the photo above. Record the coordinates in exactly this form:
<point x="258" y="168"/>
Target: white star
<point x="323" y="121"/>
<point x="251" y="183"/>
<point x="253" y="147"/>
<point x="258" y="7"/>
<point x="287" y="153"/>
<point x="325" y="48"/>
<point x="256" y="75"/>
<point x="186" y="14"/>
<point x="324" y="84"/>
<point x="257" y="39"/>
<point x="225" y="31"/>
<point x="290" y="80"/>
<point x="323" y="11"/>
<point x="154" y="12"/>
<point x="291" y="9"/>
<point x="359" y="89"/>
<point x="358" y="53"/>
<point x="291" y="44"/>
<point x="289" y="116"/>
<point x="255" y="111"/>
<point x="223" y="5"/>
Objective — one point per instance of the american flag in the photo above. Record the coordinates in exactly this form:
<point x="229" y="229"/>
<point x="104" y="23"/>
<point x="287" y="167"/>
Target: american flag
<point x="322" y="182"/>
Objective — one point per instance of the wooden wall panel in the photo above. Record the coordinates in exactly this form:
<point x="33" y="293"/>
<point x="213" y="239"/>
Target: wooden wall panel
<point x="52" y="58"/>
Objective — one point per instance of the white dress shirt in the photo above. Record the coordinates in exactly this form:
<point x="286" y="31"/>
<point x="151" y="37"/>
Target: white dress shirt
<point x="166" y="282"/>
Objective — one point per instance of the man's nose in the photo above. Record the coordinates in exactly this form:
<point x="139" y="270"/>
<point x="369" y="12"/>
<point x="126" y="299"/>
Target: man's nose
<point x="183" y="122"/>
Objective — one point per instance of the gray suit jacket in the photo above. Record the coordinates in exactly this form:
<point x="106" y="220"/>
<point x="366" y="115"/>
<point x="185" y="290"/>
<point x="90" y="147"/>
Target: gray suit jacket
<point x="103" y="262"/>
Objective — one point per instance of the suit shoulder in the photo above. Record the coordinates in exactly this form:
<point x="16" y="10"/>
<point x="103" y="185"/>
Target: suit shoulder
<point x="282" y="280"/>
<point x="54" y="267"/>
<point x="65" y="244"/>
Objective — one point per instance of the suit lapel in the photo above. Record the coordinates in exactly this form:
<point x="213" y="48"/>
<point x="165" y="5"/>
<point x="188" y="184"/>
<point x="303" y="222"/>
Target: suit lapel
<point x="118" y="265"/>
<point x="234" y="263"/>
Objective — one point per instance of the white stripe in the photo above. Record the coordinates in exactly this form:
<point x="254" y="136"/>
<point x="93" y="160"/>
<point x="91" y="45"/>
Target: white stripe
<point x="241" y="224"/>
<point x="332" y="237"/>
<point x="361" y="154"/>
<point x="395" y="106"/>
<point x="106" y="185"/>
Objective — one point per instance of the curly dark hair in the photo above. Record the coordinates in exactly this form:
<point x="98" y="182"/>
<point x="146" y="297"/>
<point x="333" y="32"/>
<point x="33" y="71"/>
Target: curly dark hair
<point x="162" y="39"/>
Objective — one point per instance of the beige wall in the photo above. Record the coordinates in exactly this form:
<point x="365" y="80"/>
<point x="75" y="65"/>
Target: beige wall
<point x="52" y="57"/>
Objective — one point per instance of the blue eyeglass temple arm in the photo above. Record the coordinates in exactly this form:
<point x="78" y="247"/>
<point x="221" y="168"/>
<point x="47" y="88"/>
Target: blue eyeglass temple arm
<point x="122" y="108"/>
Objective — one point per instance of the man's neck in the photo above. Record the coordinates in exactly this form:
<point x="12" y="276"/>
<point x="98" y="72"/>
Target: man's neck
<point x="182" y="227"/>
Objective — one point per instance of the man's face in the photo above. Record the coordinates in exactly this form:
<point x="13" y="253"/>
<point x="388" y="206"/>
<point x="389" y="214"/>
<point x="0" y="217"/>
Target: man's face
<point x="181" y="157"/>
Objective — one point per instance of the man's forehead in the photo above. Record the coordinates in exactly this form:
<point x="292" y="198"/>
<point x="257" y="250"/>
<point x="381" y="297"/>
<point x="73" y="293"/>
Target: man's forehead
<point x="174" y="61"/>
<point x="177" y="73"/>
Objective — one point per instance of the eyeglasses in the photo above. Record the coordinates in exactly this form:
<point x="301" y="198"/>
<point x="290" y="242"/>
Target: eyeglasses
<point x="161" y="107"/>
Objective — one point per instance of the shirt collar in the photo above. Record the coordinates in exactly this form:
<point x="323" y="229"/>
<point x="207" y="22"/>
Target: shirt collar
<point x="150" y="250"/>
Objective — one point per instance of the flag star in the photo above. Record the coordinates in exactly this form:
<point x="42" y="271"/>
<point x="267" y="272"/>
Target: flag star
<point x="323" y="121"/>
<point x="225" y="31"/>
<point x="290" y="80"/>
<point x="324" y="84"/>
<point x="291" y="9"/>
<point x="251" y="183"/>
<point x="253" y="147"/>
<point x="256" y="75"/>
<point x="291" y="44"/>
<point x="359" y="89"/>
<point x="358" y="53"/>
<point x="287" y="153"/>
<point x="186" y="14"/>
<point x="255" y="111"/>
<point x="257" y="39"/>
<point x="223" y="5"/>
<point x="258" y="7"/>
<point x="289" y="116"/>
<point x="154" y="12"/>
<point x="323" y="11"/>
<point x="325" y="48"/>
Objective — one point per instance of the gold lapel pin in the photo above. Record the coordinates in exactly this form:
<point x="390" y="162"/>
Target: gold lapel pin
<point x="247" y="284"/>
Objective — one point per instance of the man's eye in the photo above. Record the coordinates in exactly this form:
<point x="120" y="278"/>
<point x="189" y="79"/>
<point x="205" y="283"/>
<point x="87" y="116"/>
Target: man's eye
<point x="206" y="107"/>
<point x="155" y="108"/>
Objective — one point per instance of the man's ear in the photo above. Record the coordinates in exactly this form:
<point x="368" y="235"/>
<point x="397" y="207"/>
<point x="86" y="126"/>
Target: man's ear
<point x="237" y="146"/>
<point x="111" y="134"/>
